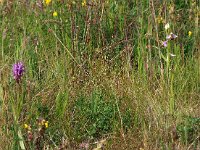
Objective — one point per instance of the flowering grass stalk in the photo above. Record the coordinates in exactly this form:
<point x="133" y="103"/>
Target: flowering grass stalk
<point x="18" y="70"/>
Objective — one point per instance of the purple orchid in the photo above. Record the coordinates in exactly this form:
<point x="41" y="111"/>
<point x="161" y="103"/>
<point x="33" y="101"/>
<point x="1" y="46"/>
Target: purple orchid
<point x="171" y="36"/>
<point x="18" y="70"/>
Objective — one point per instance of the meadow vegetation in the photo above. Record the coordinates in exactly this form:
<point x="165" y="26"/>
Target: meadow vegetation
<point x="100" y="74"/>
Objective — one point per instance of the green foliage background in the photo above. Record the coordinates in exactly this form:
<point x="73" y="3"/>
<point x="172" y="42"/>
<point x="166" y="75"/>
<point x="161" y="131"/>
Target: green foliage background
<point x="100" y="71"/>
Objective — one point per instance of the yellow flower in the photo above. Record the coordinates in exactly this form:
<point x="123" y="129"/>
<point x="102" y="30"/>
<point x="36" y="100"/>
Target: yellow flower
<point x="47" y="2"/>
<point x="189" y="33"/>
<point x="46" y="124"/>
<point x="84" y="3"/>
<point x="55" y="14"/>
<point x="27" y="126"/>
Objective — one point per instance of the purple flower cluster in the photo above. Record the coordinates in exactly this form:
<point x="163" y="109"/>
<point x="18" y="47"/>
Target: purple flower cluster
<point x="18" y="70"/>
<point x="171" y="36"/>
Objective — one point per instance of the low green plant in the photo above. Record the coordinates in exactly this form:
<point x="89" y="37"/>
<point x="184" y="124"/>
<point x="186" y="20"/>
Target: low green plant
<point x="93" y="116"/>
<point x="96" y="116"/>
<point x="189" y="130"/>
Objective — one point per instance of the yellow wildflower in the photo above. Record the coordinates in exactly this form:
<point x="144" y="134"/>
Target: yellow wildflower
<point x="84" y="3"/>
<point x="46" y="124"/>
<point x="55" y="14"/>
<point x="47" y="2"/>
<point x="189" y="33"/>
<point x="27" y="127"/>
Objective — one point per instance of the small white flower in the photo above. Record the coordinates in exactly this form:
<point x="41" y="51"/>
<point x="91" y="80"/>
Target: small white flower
<point x="167" y="26"/>
<point x="172" y="55"/>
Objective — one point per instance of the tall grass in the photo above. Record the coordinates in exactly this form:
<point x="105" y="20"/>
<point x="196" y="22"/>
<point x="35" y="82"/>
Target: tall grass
<point x="100" y="74"/>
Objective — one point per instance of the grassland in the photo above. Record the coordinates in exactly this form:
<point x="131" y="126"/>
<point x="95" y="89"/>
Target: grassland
<point x="100" y="74"/>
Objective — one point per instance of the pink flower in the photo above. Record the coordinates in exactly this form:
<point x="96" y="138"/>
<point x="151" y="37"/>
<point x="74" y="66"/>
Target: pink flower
<point x="164" y="43"/>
